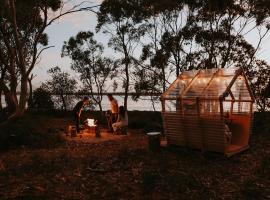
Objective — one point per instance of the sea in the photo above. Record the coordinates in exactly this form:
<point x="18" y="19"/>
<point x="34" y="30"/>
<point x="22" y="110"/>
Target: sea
<point x="142" y="104"/>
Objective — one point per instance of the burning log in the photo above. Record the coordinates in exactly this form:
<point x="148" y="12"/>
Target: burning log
<point x="92" y="126"/>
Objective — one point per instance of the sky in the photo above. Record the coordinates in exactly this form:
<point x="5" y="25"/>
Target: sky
<point x="70" y="25"/>
<point x="61" y="31"/>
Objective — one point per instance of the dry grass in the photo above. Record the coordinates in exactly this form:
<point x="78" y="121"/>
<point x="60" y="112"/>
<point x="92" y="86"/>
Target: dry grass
<point x="124" y="168"/>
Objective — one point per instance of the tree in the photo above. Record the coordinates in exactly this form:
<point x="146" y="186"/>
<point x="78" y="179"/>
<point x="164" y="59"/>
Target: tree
<point x="124" y="34"/>
<point x="259" y="78"/>
<point x="30" y="99"/>
<point x="214" y="37"/>
<point x="42" y="100"/>
<point x="22" y="41"/>
<point x="94" y="69"/>
<point x="158" y="59"/>
<point x="62" y="86"/>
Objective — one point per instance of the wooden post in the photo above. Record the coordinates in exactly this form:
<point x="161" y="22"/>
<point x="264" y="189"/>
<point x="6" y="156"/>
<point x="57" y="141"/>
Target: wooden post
<point x="221" y="106"/>
<point x="200" y="124"/>
<point x="163" y="113"/>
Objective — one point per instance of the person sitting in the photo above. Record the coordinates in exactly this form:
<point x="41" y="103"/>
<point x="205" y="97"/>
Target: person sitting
<point x="228" y="133"/>
<point x="77" y="112"/>
<point x="112" y="116"/>
<point x="122" y="120"/>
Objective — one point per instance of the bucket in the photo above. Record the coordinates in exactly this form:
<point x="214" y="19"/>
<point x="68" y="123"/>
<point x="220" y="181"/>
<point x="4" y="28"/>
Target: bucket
<point x="154" y="141"/>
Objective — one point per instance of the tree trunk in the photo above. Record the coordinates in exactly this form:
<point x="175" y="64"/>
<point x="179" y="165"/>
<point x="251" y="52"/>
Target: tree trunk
<point x="177" y="70"/>
<point x="163" y="79"/>
<point x="153" y="103"/>
<point x="126" y="86"/>
<point x="10" y="99"/>
<point x="30" y="99"/>
<point x="100" y="106"/>
<point x="23" y="97"/>
<point x="1" y="106"/>
<point x="64" y="102"/>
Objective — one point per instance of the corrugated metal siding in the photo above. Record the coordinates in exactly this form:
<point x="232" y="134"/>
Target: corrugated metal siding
<point x="193" y="131"/>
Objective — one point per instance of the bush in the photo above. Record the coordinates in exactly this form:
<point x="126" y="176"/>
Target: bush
<point x="146" y="120"/>
<point x="42" y="100"/>
<point x="261" y="123"/>
<point x="28" y="132"/>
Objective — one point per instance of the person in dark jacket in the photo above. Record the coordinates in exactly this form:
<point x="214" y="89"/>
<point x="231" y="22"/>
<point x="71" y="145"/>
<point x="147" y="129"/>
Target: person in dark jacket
<point x="77" y="112"/>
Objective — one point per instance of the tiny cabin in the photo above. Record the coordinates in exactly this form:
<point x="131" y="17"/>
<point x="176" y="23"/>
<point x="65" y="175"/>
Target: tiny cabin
<point x="210" y="110"/>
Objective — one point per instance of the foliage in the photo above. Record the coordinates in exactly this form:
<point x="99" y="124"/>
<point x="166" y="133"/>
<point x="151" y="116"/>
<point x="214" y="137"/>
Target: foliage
<point x="62" y="86"/>
<point x="261" y="123"/>
<point x="42" y="100"/>
<point x="258" y="76"/>
<point x="125" y="34"/>
<point x="94" y="69"/>
<point x="22" y="40"/>
<point x="187" y="35"/>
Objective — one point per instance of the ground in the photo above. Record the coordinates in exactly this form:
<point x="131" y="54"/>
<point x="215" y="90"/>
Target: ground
<point x="122" y="167"/>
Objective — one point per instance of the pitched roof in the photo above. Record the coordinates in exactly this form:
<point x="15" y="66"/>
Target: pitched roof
<point x="228" y="83"/>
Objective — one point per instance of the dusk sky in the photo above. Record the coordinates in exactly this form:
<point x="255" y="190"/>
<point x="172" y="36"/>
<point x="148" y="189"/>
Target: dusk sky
<point x="61" y="31"/>
<point x="71" y="24"/>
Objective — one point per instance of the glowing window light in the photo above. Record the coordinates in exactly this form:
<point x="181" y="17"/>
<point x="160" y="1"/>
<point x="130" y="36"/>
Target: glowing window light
<point x="240" y="79"/>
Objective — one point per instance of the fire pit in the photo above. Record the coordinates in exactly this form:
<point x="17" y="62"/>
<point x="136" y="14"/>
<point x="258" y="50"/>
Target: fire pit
<point x="92" y="126"/>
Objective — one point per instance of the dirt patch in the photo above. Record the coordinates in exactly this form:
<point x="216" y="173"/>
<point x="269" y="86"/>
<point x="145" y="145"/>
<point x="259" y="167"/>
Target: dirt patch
<point x="122" y="167"/>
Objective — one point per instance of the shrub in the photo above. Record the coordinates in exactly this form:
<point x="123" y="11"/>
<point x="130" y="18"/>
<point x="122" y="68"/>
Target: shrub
<point x="42" y="100"/>
<point x="261" y="123"/>
<point x="146" y="120"/>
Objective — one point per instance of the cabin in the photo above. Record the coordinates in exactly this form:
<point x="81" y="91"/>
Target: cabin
<point x="209" y="109"/>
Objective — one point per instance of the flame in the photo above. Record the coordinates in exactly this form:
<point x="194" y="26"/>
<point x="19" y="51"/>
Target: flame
<point x="90" y="122"/>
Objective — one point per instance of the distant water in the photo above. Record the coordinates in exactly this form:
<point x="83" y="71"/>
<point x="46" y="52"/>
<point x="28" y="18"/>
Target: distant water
<point x="142" y="104"/>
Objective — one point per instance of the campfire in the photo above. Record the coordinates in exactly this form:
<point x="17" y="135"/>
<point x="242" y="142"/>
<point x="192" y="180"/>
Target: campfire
<point x="90" y="123"/>
<point x="91" y="126"/>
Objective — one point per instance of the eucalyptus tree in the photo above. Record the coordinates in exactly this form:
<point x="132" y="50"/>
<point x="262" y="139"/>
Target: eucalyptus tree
<point x="115" y="19"/>
<point x="61" y="86"/>
<point x="154" y="54"/>
<point x="22" y="41"/>
<point x="259" y="78"/>
<point x="95" y="70"/>
<point x="212" y="34"/>
<point x="152" y="72"/>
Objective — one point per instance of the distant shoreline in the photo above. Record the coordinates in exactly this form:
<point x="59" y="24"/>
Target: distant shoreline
<point x="106" y="93"/>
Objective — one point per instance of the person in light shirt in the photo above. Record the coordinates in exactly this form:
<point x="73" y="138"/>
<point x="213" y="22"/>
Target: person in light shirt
<point x="122" y="120"/>
<point x="114" y="112"/>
